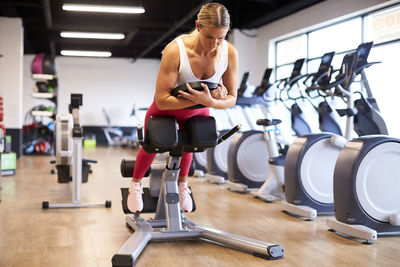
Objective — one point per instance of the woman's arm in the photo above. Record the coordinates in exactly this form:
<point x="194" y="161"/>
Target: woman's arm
<point x="230" y="80"/>
<point x="166" y="80"/>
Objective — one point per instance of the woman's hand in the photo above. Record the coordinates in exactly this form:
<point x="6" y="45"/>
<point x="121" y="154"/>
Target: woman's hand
<point x="198" y="97"/>
<point x="220" y="92"/>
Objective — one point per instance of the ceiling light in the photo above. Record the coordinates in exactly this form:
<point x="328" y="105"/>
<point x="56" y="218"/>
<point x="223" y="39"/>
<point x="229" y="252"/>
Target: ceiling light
<point x="78" y="53"/>
<point x="103" y="8"/>
<point x="93" y="35"/>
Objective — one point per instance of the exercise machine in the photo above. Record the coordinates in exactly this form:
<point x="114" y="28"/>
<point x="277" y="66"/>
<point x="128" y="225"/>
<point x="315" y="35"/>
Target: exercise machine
<point x="251" y="151"/>
<point x="368" y="119"/>
<point x="69" y="135"/>
<point x="245" y="109"/>
<point x="309" y="174"/>
<point x="327" y="116"/>
<point x="273" y="188"/>
<point x="365" y="188"/>
<point x="365" y="182"/>
<point x="116" y="136"/>
<point x="162" y="135"/>
<point x="250" y="146"/>
<point x="310" y="162"/>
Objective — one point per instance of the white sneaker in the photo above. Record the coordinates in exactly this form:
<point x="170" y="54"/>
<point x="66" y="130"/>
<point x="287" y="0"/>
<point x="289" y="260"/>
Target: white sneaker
<point x="185" y="201"/>
<point x="135" y="201"/>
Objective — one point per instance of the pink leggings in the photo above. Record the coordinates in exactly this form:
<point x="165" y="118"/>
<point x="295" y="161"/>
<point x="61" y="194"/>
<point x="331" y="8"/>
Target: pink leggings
<point x="144" y="159"/>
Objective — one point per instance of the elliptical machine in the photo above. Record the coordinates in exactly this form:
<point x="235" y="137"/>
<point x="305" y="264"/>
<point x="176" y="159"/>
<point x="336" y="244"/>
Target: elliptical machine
<point x="368" y="119"/>
<point x="69" y="163"/>
<point x="365" y="185"/>
<point x="326" y="114"/>
<point x="217" y="157"/>
<point x="162" y="135"/>
<point x="248" y="170"/>
<point x="311" y="159"/>
<point x="273" y="187"/>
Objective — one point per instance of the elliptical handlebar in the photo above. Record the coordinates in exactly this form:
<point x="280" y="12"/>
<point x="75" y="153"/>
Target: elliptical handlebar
<point x="295" y="80"/>
<point x="278" y="83"/>
<point x="369" y="64"/>
<point x="346" y="70"/>
<point x="326" y="73"/>
<point x="328" y="86"/>
<point x="309" y="76"/>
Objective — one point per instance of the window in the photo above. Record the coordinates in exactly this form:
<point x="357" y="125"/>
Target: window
<point x="284" y="71"/>
<point x="383" y="80"/>
<point x="288" y="51"/>
<point x="340" y="37"/>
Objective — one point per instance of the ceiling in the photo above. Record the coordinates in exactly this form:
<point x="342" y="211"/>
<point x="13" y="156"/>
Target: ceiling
<point x="145" y="34"/>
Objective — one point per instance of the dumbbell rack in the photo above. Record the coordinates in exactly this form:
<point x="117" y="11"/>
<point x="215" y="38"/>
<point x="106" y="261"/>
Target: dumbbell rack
<point x="49" y="80"/>
<point x="42" y="95"/>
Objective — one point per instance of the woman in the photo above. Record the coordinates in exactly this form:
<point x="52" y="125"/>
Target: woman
<point x="202" y="55"/>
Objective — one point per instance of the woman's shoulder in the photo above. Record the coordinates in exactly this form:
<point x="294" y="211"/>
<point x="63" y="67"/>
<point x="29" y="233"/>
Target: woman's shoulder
<point x="170" y="56"/>
<point x="232" y="51"/>
<point x="171" y="48"/>
<point x="170" y="53"/>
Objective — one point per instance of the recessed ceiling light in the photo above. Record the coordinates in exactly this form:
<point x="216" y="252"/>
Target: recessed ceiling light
<point x="103" y="8"/>
<point x="93" y="35"/>
<point x="80" y="53"/>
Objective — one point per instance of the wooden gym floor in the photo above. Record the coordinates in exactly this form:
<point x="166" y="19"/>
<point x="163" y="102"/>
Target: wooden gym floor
<point x="30" y="236"/>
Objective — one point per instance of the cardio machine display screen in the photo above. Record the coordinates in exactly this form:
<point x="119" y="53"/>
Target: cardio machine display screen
<point x="327" y="59"/>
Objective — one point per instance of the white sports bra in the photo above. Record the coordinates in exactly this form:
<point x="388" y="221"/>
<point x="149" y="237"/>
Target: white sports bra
<point x="185" y="73"/>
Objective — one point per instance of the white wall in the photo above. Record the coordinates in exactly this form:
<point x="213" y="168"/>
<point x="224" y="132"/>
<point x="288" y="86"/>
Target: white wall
<point x="246" y="47"/>
<point x="256" y="60"/>
<point x="11" y="47"/>
<point x="111" y="83"/>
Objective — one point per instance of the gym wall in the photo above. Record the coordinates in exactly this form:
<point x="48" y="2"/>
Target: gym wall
<point x="11" y="62"/>
<point x="112" y="83"/>
<point x="262" y="49"/>
<point x="246" y="47"/>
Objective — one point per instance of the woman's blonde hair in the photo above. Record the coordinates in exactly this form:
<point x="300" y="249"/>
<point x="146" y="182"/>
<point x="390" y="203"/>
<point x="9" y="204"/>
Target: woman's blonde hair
<point x="214" y="15"/>
<point x="211" y="15"/>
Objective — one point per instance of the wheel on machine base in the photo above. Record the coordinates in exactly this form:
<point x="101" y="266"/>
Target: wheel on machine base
<point x="45" y="205"/>
<point x="108" y="204"/>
